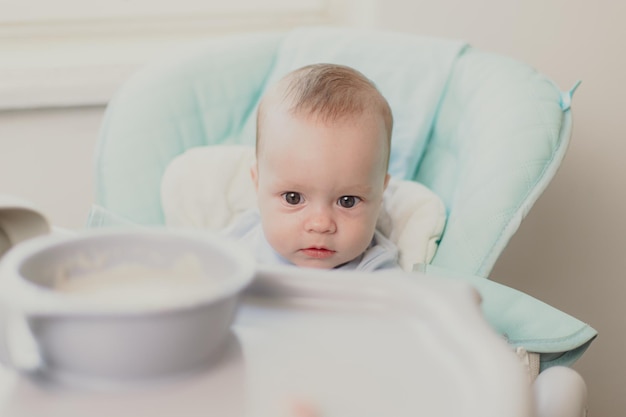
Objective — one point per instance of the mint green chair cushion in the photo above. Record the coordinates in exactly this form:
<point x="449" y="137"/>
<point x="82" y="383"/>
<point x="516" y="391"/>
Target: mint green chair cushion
<point x="484" y="132"/>
<point x="526" y="322"/>
<point x="500" y="134"/>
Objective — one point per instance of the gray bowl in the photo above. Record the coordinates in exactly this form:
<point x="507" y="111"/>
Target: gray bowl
<point x="120" y="305"/>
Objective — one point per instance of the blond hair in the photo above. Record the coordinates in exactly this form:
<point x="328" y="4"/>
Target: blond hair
<point x="329" y="92"/>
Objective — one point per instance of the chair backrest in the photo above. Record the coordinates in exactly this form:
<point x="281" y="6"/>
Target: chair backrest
<point x="484" y="132"/>
<point x="500" y="134"/>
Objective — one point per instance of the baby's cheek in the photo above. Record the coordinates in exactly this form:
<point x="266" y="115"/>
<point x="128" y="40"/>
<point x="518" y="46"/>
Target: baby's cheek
<point x="278" y="231"/>
<point x="360" y="233"/>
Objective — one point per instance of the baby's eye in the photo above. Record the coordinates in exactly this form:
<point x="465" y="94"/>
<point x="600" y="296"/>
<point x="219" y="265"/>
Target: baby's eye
<point x="348" y="201"/>
<point x="293" y="198"/>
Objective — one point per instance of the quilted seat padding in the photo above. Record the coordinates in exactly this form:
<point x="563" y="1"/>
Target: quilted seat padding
<point x="499" y="137"/>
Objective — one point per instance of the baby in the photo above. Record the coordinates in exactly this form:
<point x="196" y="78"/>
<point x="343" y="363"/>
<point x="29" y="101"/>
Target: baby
<point x="322" y="152"/>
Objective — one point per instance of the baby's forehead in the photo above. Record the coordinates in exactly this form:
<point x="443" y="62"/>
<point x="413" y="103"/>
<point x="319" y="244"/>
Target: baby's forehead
<point x="316" y="122"/>
<point x="274" y="133"/>
<point x="321" y="118"/>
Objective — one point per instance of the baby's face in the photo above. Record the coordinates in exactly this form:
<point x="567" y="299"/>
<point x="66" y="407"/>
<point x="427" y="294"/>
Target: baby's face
<point x="320" y="186"/>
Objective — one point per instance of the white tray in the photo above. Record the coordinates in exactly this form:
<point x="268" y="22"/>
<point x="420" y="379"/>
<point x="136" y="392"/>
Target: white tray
<point x="345" y="344"/>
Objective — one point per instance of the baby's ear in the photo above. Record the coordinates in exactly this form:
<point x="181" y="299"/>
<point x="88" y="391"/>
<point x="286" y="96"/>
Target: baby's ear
<point x="254" y="174"/>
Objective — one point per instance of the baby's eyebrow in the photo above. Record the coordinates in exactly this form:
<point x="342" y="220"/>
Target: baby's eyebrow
<point x="290" y="186"/>
<point x="357" y="189"/>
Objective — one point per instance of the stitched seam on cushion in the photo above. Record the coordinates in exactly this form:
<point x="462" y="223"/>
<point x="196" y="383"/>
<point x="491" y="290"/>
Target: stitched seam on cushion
<point x="248" y="112"/>
<point x="558" y="340"/>
<point x="435" y="116"/>
<point x="454" y="152"/>
<point x="102" y="142"/>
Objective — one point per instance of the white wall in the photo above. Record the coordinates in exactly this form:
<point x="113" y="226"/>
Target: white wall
<point x="46" y="157"/>
<point x="567" y="253"/>
<point x="570" y="250"/>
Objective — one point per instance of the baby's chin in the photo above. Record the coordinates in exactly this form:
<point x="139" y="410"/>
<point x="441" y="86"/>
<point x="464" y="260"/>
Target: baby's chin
<point x="321" y="258"/>
<point x="316" y="264"/>
<point x="319" y="263"/>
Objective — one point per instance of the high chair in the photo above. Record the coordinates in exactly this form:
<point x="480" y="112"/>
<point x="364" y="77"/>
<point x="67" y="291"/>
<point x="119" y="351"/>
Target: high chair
<point x="484" y="133"/>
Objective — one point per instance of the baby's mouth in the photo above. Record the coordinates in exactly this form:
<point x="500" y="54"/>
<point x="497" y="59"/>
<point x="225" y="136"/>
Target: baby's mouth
<point x="318" y="253"/>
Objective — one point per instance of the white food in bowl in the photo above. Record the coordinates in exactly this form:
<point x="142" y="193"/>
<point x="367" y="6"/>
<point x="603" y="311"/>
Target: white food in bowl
<point x="127" y="281"/>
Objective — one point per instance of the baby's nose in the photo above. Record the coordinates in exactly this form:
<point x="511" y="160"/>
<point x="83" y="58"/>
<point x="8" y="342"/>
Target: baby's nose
<point x="321" y="221"/>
